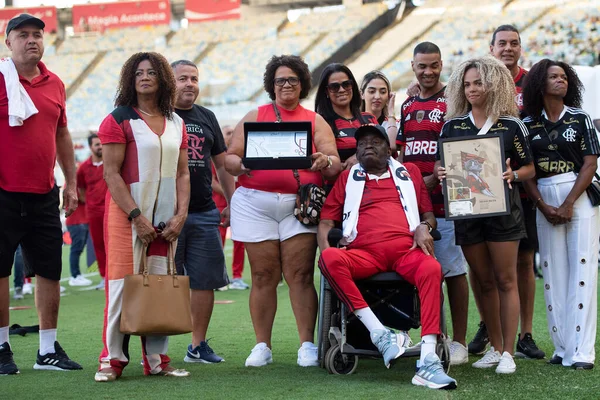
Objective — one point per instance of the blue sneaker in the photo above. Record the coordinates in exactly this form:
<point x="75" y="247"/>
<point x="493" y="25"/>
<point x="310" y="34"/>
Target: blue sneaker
<point x="389" y="344"/>
<point x="431" y="374"/>
<point x="202" y="354"/>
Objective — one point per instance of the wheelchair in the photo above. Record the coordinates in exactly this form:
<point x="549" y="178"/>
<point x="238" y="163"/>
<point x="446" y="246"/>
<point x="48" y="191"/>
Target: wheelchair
<point x="342" y="338"/>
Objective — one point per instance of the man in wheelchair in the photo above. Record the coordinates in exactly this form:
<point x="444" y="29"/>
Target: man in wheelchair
<point x="386" y="219"/>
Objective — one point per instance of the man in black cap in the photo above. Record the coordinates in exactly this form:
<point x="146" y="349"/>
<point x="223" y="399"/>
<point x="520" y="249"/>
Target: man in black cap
<point x="34" y="135"/>
<point x="386" y="217"/>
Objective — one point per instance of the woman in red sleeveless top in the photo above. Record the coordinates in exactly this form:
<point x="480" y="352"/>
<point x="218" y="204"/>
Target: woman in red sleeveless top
<point x="262" y="213"/>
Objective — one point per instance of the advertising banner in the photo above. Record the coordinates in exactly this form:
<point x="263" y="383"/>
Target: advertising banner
<point x="99" y="17"/>
<point x="211" y="10"/>
<point x="46" y="14"/>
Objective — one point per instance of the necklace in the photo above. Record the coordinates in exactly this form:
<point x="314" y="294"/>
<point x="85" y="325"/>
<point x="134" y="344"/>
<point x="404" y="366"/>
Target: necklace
<point x="148" y="114"/>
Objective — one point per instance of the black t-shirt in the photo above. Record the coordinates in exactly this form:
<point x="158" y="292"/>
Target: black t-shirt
<point x="573" y="136"/>
<point x="205" y="139"/>
<point x="512" y="130"/>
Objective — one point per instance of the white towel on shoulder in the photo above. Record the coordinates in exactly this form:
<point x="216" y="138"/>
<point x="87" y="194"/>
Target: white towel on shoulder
<point x="354" y="192"/>
<point x="20" y="105"/>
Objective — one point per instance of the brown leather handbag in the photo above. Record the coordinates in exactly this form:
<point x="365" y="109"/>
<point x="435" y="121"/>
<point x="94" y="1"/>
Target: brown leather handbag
<point x="156" y="305"/>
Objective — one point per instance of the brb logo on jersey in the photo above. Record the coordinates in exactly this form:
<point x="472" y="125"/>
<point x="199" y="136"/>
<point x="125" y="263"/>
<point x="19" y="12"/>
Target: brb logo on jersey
<point x="417" y="147"/>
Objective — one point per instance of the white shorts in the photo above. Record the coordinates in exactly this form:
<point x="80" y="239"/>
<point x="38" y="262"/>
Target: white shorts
<point x="257" y="216"/>
<point x="448" y="254"/>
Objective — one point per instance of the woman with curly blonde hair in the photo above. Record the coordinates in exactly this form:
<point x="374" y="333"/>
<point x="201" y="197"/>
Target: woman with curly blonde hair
<point x="480" y="97"/>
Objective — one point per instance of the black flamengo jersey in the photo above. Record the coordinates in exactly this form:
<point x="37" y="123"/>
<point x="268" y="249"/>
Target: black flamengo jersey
<point x="573" y="136"/>
<point x="512" y="130"/>
<point x="421" y="122"/>
<point x="344" y="133"/>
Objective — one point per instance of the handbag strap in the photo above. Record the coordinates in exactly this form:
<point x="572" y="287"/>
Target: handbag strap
<point x="171" y="269"/>
<point x="278" y="116"/>
<point x="555" y="148"/>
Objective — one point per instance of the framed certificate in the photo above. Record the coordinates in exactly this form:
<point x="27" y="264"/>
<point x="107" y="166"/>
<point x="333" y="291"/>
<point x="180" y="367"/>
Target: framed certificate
<point x="474" y="186"/>
<point x="277" y="145"/>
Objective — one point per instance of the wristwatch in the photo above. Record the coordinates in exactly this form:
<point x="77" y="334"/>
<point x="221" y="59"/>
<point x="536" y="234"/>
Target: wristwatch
<point x="428" y="225"/>
<point x="515" y="173"/>
<point x="134" y="213"/>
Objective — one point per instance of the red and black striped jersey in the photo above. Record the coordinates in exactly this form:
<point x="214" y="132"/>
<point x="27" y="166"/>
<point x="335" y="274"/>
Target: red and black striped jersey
<point x="519" y="82"/>
<point x="344" y="137"/>
<point x="421" y="121"/>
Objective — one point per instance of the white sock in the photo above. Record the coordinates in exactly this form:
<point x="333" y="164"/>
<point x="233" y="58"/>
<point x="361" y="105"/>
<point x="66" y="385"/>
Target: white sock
<point x="428" y="344"/>
<point x="369" y="320"/>
<point x="47" y="339"/>
<point x="4" y="335"/>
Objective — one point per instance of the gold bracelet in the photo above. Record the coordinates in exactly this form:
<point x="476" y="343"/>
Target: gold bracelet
<point x="536" y="203"/>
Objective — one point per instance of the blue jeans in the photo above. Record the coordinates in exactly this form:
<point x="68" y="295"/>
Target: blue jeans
<point x="18" y="272"/>
<point x="79" y="235"/>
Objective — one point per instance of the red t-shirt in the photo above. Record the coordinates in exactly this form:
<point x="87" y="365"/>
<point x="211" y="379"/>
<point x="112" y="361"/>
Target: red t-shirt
<point x="90" y="178"/>
<point x="381" y="216"/>
<point x="28" y="152"/>
<point x="282" y="181"/>
<point x="219" y="199"/>
<point x="78" y="217"/>
<point x="421" y="122"/>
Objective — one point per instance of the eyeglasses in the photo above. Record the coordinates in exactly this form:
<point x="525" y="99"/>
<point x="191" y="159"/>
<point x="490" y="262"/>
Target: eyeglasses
<point x="292" y="80"/>
<point x="335" y="86"/>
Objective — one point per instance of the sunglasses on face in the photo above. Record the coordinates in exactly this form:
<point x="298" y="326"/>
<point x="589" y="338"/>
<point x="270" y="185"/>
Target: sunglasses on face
<point x="292" y="80"/>
<point x="335" y="87"/>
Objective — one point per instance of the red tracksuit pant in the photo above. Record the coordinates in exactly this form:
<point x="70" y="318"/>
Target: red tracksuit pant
<point x="343" y="267"/>
<point x="96" y="227"/>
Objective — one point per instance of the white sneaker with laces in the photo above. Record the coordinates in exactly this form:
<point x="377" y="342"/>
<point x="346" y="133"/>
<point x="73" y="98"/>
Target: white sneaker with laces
<point x="308" y="355"/>
<point x="27" y="288"/>
<point x="489" y="359"/>
<point x="506" y="365"/>
<point x="260" y="356"/>
<point x="458" y="354"/>
<point x="80" y="280"/>
<point x="238" y="284"/>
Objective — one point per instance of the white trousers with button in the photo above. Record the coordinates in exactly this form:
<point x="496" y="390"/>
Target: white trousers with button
<point x="569" y="259"/>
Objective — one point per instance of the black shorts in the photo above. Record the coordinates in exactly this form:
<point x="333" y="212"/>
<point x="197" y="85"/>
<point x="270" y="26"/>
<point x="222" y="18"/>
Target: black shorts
<point x="505" y="228"/>
<point x="32" y="220"/>
<point x="529" y="214"/>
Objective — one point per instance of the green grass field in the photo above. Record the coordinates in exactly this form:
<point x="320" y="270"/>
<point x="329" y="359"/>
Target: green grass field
<point x="80" y="326"/>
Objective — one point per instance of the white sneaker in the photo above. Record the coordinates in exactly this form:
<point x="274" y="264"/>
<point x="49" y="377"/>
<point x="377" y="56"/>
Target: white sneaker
<point x="27" y="288"/>
<point x="238" y="284"/>
<point x="307" y="355"/>
<point x="489" y="359"/>
<point x="260" y="356"/>
<point x="100" y="286"/>
<point x="80" y="280"/>
<point x="18" y="293"/>
<point x="62" y="289"/>
<point x="506" y="365"/>
<point x="458" y="354"/>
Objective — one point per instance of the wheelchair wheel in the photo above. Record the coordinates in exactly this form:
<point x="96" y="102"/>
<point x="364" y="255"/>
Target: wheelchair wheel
<point x="324" y="345"/>
<point x="335" y="364"/>
<point x="443" y="352"/>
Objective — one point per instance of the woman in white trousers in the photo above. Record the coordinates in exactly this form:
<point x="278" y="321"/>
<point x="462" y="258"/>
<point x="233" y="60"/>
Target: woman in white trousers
<point x="565" y="148"/>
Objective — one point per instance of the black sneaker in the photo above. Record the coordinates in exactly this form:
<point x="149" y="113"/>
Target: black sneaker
<point x="7" y="364"/>
<point x="58" y="361"/>
<point x="555" y="360"/>
<point x="526" y="348"/>
<point x="480" y="341"/>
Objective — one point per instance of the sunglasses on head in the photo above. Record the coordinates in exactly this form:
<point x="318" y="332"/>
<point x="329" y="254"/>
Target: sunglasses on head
<point x="335" y="86"/>
<point x="292" y="80"/>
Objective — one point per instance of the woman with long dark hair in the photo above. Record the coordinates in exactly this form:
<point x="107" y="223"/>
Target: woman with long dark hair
<point x="144" y="146"/>
<point x="338" y="101"/>
<point x="565" y="149"/>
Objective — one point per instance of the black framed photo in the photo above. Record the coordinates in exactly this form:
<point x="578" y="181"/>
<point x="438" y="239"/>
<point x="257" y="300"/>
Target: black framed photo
<point x="474" y="186"/>
<point x="277" y="145"/>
